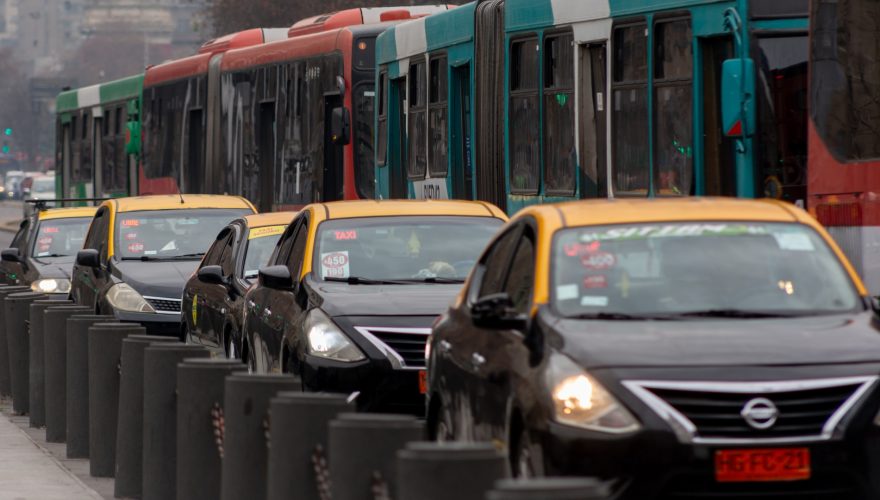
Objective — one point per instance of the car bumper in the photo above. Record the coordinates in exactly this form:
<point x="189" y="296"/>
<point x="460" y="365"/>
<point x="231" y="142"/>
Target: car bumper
<point x="652" y="463"/>
<point x="160" y="324"/>
<point x="380" y="387"/>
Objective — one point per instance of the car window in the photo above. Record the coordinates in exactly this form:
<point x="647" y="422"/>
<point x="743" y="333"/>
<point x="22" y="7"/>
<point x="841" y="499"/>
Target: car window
<point x="281" y="254"/>
<point x="60" y="237"/>
<point x="227" y="258"/>
<point x="170" y="234"/>
<point x="521" y="278"/>
<point x="20" y="239"/>
<point x="678" y="268"/>
<point x="407" y="248"/>
<point x="261" y="242"/>
<point x="297" y="250"/>
<point x="497" y="260"/>
<point x="212" y="256"/>
<point x="97" y="235"/>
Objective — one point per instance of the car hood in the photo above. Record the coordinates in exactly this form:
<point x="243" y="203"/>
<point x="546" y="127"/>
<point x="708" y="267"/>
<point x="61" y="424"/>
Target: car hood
<point x="340" y="299"/>
<point x="156" y="279"/>
<point x="54" y="267"/>
<point x="791" y="341"/>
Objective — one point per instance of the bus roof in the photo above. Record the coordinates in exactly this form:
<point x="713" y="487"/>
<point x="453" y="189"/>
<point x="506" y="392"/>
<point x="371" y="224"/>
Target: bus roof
<point x="86" y="97"/>
<point x="525" y="14"/>
<point x="426" y="34"/>
<point x="351" y="17"/>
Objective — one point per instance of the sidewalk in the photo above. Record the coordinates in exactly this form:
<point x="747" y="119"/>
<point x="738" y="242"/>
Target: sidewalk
<point x="28" y="470"/>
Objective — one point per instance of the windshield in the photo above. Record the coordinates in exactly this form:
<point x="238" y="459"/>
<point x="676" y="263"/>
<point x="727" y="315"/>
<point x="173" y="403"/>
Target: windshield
<point x="44" y="185"/>
<point x="60" y="237"/>
<point x="401" y="248"/>
<point x="261" y="243"/>
<point x="679" y="268"/>
<point x="170" y="234"/>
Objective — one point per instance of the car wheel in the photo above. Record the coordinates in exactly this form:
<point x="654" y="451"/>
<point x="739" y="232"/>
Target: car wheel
<point x="526" y="457"/>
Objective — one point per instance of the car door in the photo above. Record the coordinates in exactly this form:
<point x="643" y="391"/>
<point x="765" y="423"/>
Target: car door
<point x="88" y="281"/>
<point x="195" y="306"/>
<point x="460" y="339"/>
<point x="221" y="297"/>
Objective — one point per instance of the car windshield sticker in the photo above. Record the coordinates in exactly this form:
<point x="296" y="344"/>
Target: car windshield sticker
<point x="671" y="230"/>
<point x="260" y="232"/>
<point x="50" y="229"/>
<point x="566" y="292"/>
<point x="335" y="265"/>
<point x="346" y="235"/>
<point x="598" y="261"/>
<point x="43" y="254"/>
<point x="131" y="222"/>
<point x="131" y="236"/>
<point x="135" y="248"/>
<point x="595" y="281"/>
<point x="798" y="242"/>
<point x="594" y="301"/>
<point x="150" y="252"/>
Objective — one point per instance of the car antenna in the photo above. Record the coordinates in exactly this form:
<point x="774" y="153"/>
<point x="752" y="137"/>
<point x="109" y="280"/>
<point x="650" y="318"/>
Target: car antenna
<point x="182" y="201"/>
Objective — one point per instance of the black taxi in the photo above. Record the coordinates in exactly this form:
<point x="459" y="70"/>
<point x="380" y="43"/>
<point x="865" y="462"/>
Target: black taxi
<point x="140" y="251"/>
<point x="348" y="297"/>
<point x="42" y="252"/>
<point x="213" y="298"/>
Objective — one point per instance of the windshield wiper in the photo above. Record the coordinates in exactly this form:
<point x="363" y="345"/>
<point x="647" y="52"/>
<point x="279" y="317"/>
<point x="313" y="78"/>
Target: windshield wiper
<point x="731" y="313"/>
<point x="153" y="258"/>
<point x="52" y="255"/>
<point x="436" y="279"/>
<point x="618" y="316"/>
<point x="357" y="280"/>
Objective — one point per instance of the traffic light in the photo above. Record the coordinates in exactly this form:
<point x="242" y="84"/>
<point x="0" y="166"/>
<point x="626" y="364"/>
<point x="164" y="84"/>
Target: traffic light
<point x="7" y="132"/>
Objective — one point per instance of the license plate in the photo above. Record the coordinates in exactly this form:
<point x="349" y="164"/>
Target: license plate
<point x="762" y="464"/>
<point x="423" y="381"/>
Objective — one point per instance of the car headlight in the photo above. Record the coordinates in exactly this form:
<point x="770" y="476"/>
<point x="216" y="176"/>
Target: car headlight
<point x="124" y="298"/>
<point x="326" y="340"/>
<point x="580" y="400"/>
<point x="51" y="285"/>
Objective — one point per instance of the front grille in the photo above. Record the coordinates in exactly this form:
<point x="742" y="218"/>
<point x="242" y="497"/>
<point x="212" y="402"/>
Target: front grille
<point x="804" y="409"/>
<point x="164" y="305"/>
<point x="404" y="346"/>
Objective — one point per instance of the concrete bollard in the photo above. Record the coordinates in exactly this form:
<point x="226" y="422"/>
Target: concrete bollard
<point x="77" y="404"/>
<point x="429" y="471"/>
<point x="55" y="358"/>
<point x="199" y="408"/>
<point x="300" y="434"/>
<point x="17" y="319"/>
<point x="363" y="451"/>
<point x="5" y="377"/>
<point x="557" y="488"/>
<point x="37" y="366"/>
<point x="160" y="416"/>
<point x="130" y="424"/>
<point x="246" y="409"/>
<point x="105" y="350"/>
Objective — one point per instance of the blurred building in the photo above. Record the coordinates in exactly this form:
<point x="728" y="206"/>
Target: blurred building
<point x="45" y="30"/>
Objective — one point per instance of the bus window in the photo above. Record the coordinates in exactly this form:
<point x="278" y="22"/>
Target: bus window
<point x="382" y="126"/>
<point x="629" y="101"/>
<point x="438" y="111"/>
<point x="560" y="154"/>
<point x="364" y="98"/>
<point x="524" y="118"/>
<point x="719" y="162"/>
<point x="416" y="122"/>
<point x="592" y="67"/>
<point x="673" y="129"/>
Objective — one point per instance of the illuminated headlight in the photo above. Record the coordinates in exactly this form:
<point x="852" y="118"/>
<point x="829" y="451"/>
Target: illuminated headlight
<point x="580" y="400"/>
<point x="124" y="298"/>
<point x="51" y="285"/>
<point x="326" y="340"/>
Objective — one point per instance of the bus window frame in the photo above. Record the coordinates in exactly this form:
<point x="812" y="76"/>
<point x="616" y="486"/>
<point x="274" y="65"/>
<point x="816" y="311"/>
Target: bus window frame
<point x="382" y="117"/>
<point x="440" y="105"/>
<point x="548" y="91"/>
<point x="536" y="92"/>
<point x="413" y="107"/>
<point x="622" y="84"/>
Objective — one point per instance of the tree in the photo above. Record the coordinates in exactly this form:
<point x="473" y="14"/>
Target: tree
<point x="230" y="16"/>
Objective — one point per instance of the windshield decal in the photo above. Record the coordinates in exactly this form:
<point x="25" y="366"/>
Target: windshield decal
<point x="594" y="301"/>
<point x="131" y="222"/>
<point x="567" y="292"/>
<point x="346" y="235"/>
<point x="671" y="230"/>
<point x="335" y="265"/>
<point x="797" y="242"/>
<point x="595" y="281"/>
<point x="50" y="229"/>
<point x="598" y="261"/>
<point x="136" y="248"/>
<point x="261" y="232"/>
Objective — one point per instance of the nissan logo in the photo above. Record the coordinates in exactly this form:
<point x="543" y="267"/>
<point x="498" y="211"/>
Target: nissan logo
<point x="760" y="413"/>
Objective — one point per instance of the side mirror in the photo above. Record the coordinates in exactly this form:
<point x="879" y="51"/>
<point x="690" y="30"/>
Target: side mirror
<point x="276" y="277"/>
<point x="340" y="126"/>
<point x="10" y="255"/>
<point x="212" y="275"/>
<point x="496" y="311"/>
<point x="88" y="258"/>
<point x="738" y="102"/>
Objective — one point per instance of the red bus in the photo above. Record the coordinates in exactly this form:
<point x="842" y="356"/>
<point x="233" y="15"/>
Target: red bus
<point x="282" y="120"/>
<point x="844" y="135"/>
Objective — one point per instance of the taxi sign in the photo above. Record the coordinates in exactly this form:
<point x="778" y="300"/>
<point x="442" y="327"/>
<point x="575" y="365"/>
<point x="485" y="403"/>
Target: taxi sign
<point x="260" y="232"/>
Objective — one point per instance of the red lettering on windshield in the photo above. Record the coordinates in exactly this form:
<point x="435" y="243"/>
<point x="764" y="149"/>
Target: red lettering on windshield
<point x="131" y="222"/>
<point x="346" y="235"/>
<point x="575" y="249"/>
<point x="51" y="229"/>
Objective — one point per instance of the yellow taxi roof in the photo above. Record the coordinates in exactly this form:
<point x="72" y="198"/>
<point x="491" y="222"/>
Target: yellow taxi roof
<point x="173" y="202"/>
<point x="67" y="213"/>
<point x="389" y="208"/>
<point x="628" y="211"/>
<point x="270" y="219"/>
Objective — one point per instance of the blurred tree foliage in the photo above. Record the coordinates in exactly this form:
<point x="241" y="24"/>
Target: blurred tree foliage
<point x="16" y="107"/>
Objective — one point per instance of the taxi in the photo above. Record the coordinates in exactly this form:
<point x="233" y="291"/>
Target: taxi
<point x="348" y="297"/>
<point x="42" y="252"/>
<point x="139" y="252"/>
<point x="213" y="298"/>
<point x="687" y="348"/>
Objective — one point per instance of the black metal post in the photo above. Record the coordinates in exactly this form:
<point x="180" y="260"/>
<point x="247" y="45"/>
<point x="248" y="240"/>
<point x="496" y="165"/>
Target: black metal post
<point x="37" y="366"/>
<point x="557" y="488"/>
<point x="17" y="319"/>
<point x="55" y="357"/>
<point x="77" y="403"/>
<point x="5" y="377"/>
<point x="430" y="471"/>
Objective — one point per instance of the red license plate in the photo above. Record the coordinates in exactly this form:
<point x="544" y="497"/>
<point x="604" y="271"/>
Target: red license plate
<point x="762" y="464"/>
<point x="423" y="381"/>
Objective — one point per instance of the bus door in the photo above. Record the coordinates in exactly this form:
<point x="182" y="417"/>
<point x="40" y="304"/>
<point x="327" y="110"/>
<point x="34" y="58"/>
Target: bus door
<point x="719" y="154"/>
<point x="266" y="157"/>
<point x="592" y="122"/>
<point x="462" y="162"/>
<point x="334" y="152"/>
<point x="397" y="188"/>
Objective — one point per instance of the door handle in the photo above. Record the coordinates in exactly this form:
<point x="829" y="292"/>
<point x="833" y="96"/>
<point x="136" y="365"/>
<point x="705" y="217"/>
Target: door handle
<point x="477" y="360"/>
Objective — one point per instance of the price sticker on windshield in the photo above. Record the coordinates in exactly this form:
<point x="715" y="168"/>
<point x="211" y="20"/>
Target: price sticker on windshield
<point x="135" y="248"/>
<point x="335" y="265"/>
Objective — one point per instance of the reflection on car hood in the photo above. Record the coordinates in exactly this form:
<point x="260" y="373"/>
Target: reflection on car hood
<point x="809" y="340"/>
<point x="156" y="279"/>
<point x="54" y="267"/>
<point x="340" y="299"/>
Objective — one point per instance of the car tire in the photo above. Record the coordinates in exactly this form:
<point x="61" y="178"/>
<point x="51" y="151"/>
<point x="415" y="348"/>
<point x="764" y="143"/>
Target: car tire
<point x="526" y="457"/>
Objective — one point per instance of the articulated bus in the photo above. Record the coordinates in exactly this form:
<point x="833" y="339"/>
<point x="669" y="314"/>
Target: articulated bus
<point x="283" y="118"/>
<point x="844" y="129"/>
<point x="529" y="101"/>
<point x="97" y="147"/>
